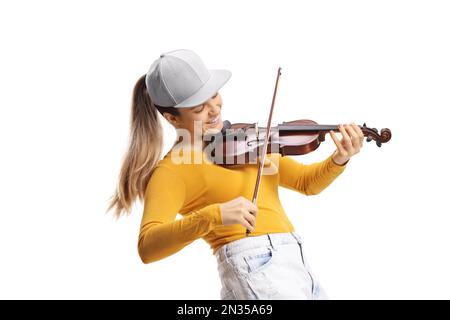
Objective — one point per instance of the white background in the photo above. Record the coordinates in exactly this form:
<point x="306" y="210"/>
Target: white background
<point x="67" y="69"/>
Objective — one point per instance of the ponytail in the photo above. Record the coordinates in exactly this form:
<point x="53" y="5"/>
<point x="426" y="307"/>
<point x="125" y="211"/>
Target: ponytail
<point x="144" y="151"/>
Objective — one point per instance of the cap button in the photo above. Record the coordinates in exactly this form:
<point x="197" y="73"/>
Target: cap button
<point x="161" y="55"/>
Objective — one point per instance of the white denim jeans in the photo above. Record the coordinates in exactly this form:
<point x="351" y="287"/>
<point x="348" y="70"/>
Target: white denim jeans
<point x="271" y="266"/>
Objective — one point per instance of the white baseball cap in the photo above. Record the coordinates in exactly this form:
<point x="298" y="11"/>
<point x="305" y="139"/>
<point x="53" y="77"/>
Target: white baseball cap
<point x="180" y="79"/>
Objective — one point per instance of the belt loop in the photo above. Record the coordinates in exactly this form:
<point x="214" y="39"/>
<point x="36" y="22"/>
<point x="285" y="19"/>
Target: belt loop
<point x="270" y="240"/>
<point x="297" y="237"/>
<point x="225" y="252"/>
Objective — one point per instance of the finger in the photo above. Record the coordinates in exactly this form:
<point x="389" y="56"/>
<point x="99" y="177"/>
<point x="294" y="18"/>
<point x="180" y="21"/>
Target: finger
<point x="250" y="219"/>
<point x="354" y="138"/>
<point x="252" y="208"/>
<point x="247" y="225"/>
<point x="346" y="140"/>
<point x="360" y="134"/>
<point x="358" y="130"/>
<point x="345" y="137"/>
<point x="337" y="143"/>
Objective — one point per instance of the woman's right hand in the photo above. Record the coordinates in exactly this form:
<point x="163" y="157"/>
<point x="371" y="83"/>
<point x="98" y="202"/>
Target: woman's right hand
<point x="239" y="211"/>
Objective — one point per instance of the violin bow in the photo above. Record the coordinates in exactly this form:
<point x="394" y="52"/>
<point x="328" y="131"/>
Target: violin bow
<point x="266" y="142"/>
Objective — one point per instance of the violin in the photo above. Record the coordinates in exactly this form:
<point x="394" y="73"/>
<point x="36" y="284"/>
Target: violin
<point x="241" y="143"/>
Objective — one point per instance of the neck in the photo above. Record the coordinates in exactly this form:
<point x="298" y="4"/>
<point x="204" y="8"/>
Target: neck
<point x="193" y="145"/>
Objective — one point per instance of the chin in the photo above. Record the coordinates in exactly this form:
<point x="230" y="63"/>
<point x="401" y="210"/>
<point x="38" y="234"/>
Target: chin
<point x="214" y="129"/>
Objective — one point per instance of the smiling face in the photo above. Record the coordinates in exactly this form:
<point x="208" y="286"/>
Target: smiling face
<point x="208" y="114"/>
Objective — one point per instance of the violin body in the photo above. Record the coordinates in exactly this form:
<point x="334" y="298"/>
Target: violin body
<point x="242" y="143"/>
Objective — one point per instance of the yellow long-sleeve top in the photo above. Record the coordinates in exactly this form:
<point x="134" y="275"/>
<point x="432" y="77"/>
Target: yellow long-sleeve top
<point x="195" y="191"/>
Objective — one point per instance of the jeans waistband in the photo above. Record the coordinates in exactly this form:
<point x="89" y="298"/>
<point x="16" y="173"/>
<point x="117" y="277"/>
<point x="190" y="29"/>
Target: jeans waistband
<point x="272" y="240"/>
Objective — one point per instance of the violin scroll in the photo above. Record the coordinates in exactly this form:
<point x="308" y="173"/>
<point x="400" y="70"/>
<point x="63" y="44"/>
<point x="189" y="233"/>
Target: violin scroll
<point x="372" y="134"/>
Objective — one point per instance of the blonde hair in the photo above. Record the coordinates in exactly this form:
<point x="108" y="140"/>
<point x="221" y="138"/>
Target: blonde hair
<point x="144" y="150"/>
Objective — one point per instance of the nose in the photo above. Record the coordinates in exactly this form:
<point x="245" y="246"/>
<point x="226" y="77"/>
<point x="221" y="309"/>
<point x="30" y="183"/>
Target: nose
<point x="213" y="107"/>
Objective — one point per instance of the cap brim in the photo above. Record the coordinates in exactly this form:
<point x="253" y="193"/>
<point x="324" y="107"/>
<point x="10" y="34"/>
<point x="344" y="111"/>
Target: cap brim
<point x="216" y="81"/>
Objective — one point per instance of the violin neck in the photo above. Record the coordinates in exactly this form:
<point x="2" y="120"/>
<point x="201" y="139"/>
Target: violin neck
<point x="308" y="128"/>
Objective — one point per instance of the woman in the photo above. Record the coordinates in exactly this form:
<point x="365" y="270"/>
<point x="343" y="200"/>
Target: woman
<point x="213" y="199"/>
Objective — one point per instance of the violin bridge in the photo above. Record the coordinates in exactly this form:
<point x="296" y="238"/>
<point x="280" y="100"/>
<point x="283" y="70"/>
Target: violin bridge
<point x="257" y="136"/>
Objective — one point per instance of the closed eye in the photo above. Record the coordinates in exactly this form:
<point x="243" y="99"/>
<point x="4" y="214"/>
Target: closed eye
<point x="202" y="107"/>
<point x="200" y="110"/>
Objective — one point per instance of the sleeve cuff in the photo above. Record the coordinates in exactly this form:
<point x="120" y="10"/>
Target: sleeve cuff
<point x="211" y="216"/>
<point x="216" y="216"/>
<point x="334" y="166"/>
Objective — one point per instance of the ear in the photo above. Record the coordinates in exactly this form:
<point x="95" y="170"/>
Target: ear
<point x="171" y="118"/>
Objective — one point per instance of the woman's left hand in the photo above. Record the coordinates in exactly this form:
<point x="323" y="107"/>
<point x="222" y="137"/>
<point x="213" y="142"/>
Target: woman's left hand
<point x="350" y="144"/>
